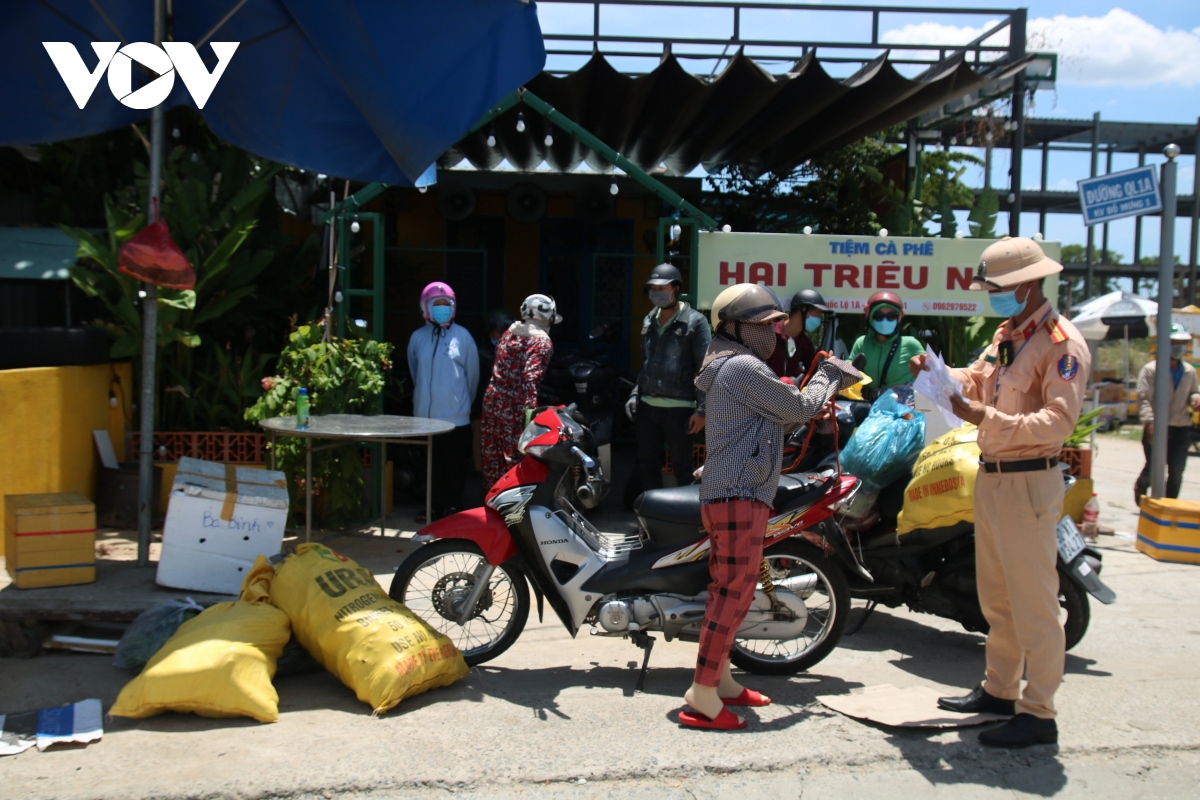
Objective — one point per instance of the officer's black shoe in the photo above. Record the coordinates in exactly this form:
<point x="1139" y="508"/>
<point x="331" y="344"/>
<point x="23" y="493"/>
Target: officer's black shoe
<point x="1022" y="730"/>
<point x="978" y="702"/>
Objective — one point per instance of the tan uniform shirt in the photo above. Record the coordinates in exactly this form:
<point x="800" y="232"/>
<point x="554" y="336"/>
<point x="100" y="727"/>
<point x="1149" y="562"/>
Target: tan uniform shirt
<point x="1034" y="403"/>
<point x="1179" y="413"/>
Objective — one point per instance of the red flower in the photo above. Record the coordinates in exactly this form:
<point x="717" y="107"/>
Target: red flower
<point x="268" y="383"/>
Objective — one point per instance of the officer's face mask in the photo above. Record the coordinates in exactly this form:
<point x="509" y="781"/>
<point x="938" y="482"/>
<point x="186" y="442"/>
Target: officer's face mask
<point x="661" y="298"/>
<point x="441" y="314"/>
<point x="811" y="324"/>
<point x="1178" y="351"/>
<point x="1006" y="304"/>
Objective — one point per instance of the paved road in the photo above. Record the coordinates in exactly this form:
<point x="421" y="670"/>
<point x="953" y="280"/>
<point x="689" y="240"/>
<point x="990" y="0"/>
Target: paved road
<point x="554" y="710"/>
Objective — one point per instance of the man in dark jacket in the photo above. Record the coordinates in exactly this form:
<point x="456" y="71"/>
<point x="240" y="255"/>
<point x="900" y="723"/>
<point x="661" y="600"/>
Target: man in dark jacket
<point x="666" y="406"/>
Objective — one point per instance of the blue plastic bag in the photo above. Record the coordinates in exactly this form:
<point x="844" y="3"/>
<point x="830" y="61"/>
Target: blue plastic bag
<point x="150" y="630"/>
<point x="885" y="447"/>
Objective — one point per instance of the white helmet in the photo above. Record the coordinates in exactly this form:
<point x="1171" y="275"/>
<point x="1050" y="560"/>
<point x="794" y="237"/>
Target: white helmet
<point x="540" y="306"/>
<point x="746" y="302"/>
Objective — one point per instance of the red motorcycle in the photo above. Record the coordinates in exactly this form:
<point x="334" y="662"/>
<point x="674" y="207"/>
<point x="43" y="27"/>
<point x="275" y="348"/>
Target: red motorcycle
<point x="471" y="577"/>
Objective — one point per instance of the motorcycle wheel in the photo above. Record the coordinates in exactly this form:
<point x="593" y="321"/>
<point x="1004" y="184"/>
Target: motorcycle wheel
<point x="828" y="610"/>
<point x="434" y="581"/>
<point x="1074" y="601"/>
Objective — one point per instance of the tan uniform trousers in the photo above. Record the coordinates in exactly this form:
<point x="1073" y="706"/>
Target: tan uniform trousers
<point x="1016" y="553"/>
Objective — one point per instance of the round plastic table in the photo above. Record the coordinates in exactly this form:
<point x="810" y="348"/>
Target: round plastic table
<point x="349" y="429"/>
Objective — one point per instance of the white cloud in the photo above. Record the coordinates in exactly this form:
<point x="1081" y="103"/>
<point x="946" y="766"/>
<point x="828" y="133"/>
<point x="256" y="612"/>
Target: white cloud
<point x="1117" y="49"/>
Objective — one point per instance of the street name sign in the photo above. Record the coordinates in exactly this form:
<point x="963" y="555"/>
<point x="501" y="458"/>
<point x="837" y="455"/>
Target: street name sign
<point x="1131" y="193"/>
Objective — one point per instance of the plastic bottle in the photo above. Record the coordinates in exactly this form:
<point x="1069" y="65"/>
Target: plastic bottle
<point x="1091" y="518"/>
<point x="302" y="410"/>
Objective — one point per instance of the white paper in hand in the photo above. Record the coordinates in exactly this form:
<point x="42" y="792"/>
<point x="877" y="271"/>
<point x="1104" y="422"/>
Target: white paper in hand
<point x="939" y="385"/>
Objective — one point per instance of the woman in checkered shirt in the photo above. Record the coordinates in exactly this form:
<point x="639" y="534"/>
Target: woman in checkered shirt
<point x="750" y="412"/>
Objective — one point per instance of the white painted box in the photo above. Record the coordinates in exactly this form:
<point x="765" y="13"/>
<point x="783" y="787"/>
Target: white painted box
<point x="219" y="519"/>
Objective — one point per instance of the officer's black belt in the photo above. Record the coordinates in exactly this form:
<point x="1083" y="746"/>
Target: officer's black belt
<point x="1028" y="465"/>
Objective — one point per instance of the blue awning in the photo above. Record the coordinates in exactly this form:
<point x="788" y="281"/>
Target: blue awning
<point x="36" y="254"/>
<point x="372" y="90"/>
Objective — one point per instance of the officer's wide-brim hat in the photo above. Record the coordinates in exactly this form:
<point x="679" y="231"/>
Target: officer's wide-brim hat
<point x="1012" y="261"/>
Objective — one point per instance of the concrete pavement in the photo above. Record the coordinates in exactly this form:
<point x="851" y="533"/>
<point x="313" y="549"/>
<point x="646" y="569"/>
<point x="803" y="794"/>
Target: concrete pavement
<point x="559" y="710"/>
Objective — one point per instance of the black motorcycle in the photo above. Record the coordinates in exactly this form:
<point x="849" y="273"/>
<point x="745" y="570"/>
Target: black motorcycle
<point x="933" y="570"/>
<point x="597" y="389"/>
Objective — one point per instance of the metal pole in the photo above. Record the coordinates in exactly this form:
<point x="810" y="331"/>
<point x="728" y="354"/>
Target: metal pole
<point x="1137" y="230"/>
<point x="1104" y="254"/>
<point x="1016" y="49"/>
<point x="1089" y="284"/>
<point x="1045" y="175"/>
<point x="1195" y="231"/>
<point x="1166" y="291"/>
<point x="147" y="501"/>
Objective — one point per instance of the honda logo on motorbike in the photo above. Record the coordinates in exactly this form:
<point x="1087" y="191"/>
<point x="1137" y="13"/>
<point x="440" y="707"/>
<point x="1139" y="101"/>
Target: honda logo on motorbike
<point x="117" y="61"/>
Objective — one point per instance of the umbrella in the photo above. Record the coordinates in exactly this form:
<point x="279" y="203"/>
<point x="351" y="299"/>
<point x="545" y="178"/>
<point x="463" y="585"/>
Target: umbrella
<point x="372" y="90"/>
<point x="1116" y="315"/>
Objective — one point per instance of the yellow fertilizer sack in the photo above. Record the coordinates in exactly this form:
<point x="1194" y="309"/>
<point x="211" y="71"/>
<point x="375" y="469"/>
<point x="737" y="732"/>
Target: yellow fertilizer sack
<point x="942" y="490"/>
<point x="218" y="664"/>
<point x="376" y="646"/>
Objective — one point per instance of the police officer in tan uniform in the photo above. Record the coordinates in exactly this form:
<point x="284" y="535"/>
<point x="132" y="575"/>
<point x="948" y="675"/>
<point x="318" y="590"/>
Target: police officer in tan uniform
<point x="1025" y="393"/>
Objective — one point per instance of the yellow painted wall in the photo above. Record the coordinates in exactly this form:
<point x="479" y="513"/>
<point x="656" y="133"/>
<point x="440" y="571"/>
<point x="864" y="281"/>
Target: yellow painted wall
<point x="521" y="244"/>
<point x="46" y="430"/>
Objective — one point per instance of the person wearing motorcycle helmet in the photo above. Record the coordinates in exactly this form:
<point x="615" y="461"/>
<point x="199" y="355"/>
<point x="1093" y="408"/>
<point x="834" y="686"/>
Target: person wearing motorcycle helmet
<point x="522" y="355"/>
<point x="665" y="405"/>
<point x="806" y="314"/>
<point x="887" y="353"/>
<point x="444" y="364"/>
<point x="750" y="411"/>
<point x="1185" y="398"/>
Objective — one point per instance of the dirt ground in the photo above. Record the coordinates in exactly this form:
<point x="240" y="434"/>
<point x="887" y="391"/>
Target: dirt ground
<point x="558" y="717"/>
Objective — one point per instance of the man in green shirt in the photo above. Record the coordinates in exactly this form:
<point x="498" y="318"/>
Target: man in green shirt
<point x="885" y="351"/>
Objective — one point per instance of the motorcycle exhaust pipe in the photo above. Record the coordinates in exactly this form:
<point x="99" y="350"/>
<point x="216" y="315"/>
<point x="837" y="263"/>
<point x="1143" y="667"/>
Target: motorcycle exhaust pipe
<point x="586" y="494"/>
<point x="799" y="584"/>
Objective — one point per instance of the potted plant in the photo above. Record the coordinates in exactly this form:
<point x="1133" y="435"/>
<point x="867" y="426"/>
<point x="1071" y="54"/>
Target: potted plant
<point x="343" y="376"/>
<point x="1076" y="452"/>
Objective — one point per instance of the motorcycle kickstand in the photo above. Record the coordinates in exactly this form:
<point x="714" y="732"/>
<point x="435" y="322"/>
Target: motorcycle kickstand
<point x="867" y="612"/>
<point x="645" y="642"/>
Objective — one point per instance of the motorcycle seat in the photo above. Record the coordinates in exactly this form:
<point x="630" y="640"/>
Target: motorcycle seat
<point x="799" y="490"/>
<point x="671" y="516"/>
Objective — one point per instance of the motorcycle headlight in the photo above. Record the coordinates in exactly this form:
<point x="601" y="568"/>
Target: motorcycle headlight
<point x="532" y="431"/>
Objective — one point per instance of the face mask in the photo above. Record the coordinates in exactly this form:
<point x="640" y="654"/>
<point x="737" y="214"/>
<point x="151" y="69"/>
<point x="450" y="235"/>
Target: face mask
<point x="886" y="327"/>
<point x="1006" y="304"/>
<point x="760" y="339"/>
<point x="811" y="324"/>
<point x="661" y="299"/>
<point x="441" y="314"/>
<point x="1178" y="351"/>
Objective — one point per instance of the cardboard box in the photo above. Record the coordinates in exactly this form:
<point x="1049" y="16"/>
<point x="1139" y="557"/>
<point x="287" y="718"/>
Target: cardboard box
<point x="49" y="539"/>
<point x="219" y="519"/>
<point x="1169" y="530"/>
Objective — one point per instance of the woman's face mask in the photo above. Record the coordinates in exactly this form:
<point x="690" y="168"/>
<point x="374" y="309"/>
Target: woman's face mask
<point x="811" y="324"/>
<point x="661" y="298"/>
<point x="885" y="322"/>
<point x="441" y="314"/>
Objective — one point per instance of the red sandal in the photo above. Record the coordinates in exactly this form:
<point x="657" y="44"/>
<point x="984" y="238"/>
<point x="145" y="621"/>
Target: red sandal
<point x="725" y="721"/>
<point x="748" y="697"/>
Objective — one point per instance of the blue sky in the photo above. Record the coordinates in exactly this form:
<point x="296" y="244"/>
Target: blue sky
<point x="1129" y="61"/>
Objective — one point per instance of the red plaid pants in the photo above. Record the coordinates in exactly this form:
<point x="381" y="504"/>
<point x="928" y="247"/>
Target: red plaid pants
<point x="736" y="529"/>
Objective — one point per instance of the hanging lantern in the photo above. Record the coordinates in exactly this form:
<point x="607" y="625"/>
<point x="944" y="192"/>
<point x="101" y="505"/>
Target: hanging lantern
<point x="152" y="256"/>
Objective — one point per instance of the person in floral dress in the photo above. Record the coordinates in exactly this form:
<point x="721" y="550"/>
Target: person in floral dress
<point x="522" y="356"/>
